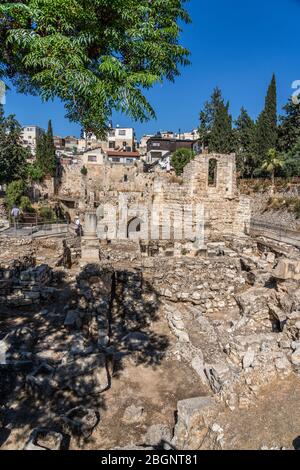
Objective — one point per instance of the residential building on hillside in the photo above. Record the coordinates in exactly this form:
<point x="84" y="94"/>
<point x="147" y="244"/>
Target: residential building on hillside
<point x="143" y="144"/>
<point x="29" y="136"/>
<point x="122" y="158"/>
<point x="71" y="144"/>
<point x="59" y="142"/>
<point x="193" y="135"/>
<point x="159" y="147"/>
<point x="93" y="157"/>
<point x="119" y="138"/>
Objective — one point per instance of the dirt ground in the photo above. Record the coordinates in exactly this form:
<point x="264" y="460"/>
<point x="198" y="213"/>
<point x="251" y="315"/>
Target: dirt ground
<point x="273" y="421"/>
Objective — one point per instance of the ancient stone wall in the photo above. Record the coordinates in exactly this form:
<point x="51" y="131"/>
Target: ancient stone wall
<point x="158" y="196"/>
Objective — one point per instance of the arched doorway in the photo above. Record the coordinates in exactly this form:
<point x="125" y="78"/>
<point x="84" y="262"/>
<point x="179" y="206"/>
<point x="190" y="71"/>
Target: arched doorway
<point x="134" y="228"/>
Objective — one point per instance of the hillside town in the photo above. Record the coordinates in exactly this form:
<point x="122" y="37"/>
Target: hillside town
<point x="120" y="146"/>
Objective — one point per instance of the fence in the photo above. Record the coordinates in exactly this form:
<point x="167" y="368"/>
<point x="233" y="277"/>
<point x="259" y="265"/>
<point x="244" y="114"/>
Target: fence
<point x="36" y="228"/>
<point x="275" y="232"/>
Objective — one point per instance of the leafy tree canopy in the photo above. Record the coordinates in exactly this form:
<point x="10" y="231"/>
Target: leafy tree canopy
<point x="12" y="155"/>
<point x="244" y="134"/>
<point x="95" y="55"/>
<point x="181" y="158"/>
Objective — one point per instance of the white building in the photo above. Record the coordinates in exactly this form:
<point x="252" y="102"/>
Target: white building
<point x="119" y="138"/>
<point x="93" y="157"/>
<point x="29" y="136"/>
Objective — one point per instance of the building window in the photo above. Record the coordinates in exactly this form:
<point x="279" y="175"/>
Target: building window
<point x="112" y="133"/>
<point x="122" y="132"/>
<point x="116" y="159"/>
<point x="92" y="158"/>
<point x="212" y="173"/>
<point x="129" y="160"/>
<point x="155" y="144"/>
<point x="125" y="178"/>
<point x="156" y="155"/>
<point x="112" y="145"/>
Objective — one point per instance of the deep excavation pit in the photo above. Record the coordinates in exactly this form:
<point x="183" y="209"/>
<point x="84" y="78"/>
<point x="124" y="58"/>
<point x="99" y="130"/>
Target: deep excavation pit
<point x="185" y="353"/>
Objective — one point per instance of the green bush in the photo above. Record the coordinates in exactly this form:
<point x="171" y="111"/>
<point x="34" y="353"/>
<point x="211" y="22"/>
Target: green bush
<point x="181" y="158"/>
<point x="25" y="205"/>
<point x="14" y="192"/>
<point x="47" y="214"/>
<point x="35" y="173"/>
<point x="83" y="171"/>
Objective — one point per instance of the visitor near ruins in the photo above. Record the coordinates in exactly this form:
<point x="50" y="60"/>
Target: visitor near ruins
<point x="149" y="229"/>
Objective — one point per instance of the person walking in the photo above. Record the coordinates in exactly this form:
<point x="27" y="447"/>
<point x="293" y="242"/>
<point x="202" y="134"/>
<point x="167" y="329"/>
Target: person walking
<point x="15" y="213"/>
<point x="78" y="228"/>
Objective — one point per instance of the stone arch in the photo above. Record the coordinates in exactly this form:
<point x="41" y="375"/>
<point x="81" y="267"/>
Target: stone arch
<point x="134" y="227"/>
<point x="212" y="173"/>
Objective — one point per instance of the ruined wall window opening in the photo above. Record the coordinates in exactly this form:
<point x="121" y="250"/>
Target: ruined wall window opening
<point x="212" y="173"/>
<point x="134" y="227"/>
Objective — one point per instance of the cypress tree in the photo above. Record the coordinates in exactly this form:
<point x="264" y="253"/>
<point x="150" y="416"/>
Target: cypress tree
<point x="245" y="144"/>
<point x="266" y="128"/>
<point x="45" y="152"/>
<point x="221" y="135"/>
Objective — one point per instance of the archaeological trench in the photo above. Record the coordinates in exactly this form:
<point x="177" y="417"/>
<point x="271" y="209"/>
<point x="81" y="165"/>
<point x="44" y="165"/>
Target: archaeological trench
<point x="161" y="343"/>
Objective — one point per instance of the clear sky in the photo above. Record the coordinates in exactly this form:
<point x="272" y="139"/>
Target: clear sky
<point x="235" y="45"/>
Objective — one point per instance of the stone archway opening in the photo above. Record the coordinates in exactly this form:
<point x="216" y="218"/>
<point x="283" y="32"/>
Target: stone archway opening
<point x="134" y="228"/>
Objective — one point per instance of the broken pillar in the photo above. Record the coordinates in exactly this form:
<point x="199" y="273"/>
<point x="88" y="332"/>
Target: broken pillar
<point x="90" y="242"/>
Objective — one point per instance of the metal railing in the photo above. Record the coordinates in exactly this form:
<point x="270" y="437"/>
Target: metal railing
<point x="35" y="227"/>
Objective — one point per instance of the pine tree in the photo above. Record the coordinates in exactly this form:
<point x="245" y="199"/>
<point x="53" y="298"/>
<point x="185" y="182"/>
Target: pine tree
<point x="245" y="144"/>
<point x="289" y="129"/>
<point x="215" y="128"/>
<point x="13" y="156"/>
<point x="45" y="152"/>
<point x="266" y="128"/>
<point x="221" y="136"/>
<point x="207" y="116"/>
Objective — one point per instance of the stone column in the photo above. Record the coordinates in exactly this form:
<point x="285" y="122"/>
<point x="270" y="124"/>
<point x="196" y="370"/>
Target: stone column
<point x="90" y="242"/>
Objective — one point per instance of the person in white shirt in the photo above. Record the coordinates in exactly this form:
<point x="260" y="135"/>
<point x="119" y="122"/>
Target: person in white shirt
<point x="15" y="213"/>
<point x="78" y="228"/>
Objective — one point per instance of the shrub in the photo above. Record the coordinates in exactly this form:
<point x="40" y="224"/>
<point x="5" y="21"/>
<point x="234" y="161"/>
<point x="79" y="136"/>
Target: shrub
<point x="47" y="214"/>
<point x="84" y="170"/>
<point x="14" y="193"/>
<point x="25" y="205"/>
<point x="181" y="158"/>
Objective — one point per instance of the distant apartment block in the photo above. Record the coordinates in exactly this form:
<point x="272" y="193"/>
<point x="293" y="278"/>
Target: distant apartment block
<point x="122" y="157"/>
<point x="121" y="139"/>
<point x="29" y="137"/>
<point x="159" y="147"/>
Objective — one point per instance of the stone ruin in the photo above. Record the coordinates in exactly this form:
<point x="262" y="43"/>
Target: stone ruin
<point x="139" y="330"/>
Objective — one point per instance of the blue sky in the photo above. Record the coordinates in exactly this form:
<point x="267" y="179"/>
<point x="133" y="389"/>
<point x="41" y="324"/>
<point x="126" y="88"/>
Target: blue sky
<point x="235" y="45"/>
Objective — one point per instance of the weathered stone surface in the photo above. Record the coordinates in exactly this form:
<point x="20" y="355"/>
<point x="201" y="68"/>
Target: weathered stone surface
<point x="296" y="357"/>
<point x="133" y="414"/>
<point x="287" y="269"/>
<point x="86" y="375"/>
<point x="158" y="435"/>
<point x="248" y="359"/>
<point x="193" y="419"/>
